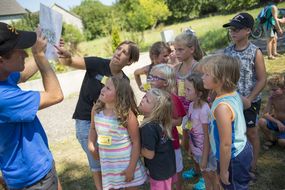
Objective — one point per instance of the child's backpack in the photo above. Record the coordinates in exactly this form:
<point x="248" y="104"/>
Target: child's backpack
<point x="262" y="16"/>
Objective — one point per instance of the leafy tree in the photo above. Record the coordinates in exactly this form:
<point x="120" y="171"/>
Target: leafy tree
<point x="29" y="22"/>
<point x="72" y="35"/>
<point x="116" y="40"/>
<point x="154" y="10"/>
<point x="183" y="10"/>
<point x="95" y="17"/>
<point x="230" y="6"/>
<point x="139" y="15"/>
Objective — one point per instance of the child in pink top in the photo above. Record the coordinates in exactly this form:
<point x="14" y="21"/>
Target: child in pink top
<point x="198" y="138"/>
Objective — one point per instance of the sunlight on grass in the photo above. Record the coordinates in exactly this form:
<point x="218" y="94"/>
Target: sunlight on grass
<point x="71" y="162"/>
<point x="201" y="26"/>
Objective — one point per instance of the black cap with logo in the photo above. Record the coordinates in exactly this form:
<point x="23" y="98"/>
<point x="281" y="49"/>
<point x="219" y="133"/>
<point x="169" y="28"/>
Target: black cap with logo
<point x="242" y="20"/>
<point x="10" y="38"/>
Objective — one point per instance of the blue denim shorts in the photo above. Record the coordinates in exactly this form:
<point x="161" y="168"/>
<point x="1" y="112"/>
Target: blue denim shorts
<point x="273" y="126"/>
<point x="82" y="130"/>
<point x="239" y="168"/>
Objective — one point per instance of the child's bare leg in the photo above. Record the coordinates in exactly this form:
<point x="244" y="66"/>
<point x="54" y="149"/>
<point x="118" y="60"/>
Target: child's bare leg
<point x="215" y="180"/>
<point x="266" y="132"/>
<point x="97" y="177"/>
<point x="179" y="181"/>
<point x="196" y="167"/>
<point x="253" y="136"/>
<point x="208" y="184"/>
<point x="58" y="184"/>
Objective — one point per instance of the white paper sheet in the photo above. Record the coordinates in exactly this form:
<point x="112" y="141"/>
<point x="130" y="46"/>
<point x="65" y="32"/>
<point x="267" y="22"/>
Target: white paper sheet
<point x="51" y="25"/>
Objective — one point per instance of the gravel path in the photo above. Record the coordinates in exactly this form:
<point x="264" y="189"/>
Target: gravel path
<point x="57" y="120"/>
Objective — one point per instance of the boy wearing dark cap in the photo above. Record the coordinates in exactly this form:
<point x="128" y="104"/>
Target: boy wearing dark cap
<point x="252" y="75"/>
<point x="25" y="159"/>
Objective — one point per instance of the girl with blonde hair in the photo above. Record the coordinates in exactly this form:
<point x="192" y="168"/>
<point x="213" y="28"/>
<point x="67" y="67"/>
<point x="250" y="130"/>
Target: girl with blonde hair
<point x="188" y="52"/>
<point x="156" y="138"/>
<point x="162" y="76"/>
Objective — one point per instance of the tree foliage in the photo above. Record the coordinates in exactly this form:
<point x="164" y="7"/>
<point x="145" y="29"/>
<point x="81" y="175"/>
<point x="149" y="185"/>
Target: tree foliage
<point x="29" y="22"/>
<point x="183" y="10"/>
<point x="155" y="10"/>
<point x="95" y="17"/>
<point x="116" y="40"/>
<point x="230" y="6"/>
<point x="138" y="15"/>
<point x="72" y="35"/>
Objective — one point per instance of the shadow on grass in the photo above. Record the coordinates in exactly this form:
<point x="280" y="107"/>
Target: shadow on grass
<point x="74" y="176"/>
<point x="271" y="167"/>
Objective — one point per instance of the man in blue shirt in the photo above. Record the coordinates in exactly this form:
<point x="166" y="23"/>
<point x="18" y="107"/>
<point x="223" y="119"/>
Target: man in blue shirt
<point x="25" y="158"/>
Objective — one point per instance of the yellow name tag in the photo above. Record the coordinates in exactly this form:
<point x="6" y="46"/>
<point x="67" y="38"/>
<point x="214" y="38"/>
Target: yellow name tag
<point x="104" y="140"/>
<point x="188" y="125"/>
<point x="146" y="86"/>
<point x="181" y="91"/>
<point x="104" y="80"/>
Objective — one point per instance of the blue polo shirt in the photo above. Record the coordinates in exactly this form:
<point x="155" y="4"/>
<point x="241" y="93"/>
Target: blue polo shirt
<point x="25" y="157"/>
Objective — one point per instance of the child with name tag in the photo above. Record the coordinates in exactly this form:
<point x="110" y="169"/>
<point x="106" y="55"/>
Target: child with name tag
<point x="162" y="76"/>
<point x="188" y="53"/>
<point x="159" y="53"/>
<point x="196" y="136"/>
<point x="156" y="138"/>
<point x="113" y="118"/>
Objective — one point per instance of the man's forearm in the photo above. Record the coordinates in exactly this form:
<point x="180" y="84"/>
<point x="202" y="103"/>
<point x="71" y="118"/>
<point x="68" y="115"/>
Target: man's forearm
<point x="50" y="81"/>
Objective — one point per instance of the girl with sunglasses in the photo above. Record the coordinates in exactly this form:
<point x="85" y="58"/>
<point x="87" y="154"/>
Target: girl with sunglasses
<point x="162" y="76"/>
<point x="158" y="53"/>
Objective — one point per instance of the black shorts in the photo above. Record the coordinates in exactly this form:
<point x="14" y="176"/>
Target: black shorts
<point x="251" y="114"/>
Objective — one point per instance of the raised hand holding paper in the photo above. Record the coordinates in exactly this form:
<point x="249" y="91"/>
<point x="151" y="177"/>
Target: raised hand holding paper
<point x="51" y="24"/>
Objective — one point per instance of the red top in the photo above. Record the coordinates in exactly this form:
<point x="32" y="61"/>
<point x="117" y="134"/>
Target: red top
<point x="178" y="111"/>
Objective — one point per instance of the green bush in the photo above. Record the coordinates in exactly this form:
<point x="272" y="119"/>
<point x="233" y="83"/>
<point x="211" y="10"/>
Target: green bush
<point x="214" y="39"/>
<point x="72" y="35"/>
<point x="29" y="22"/>
<point x="116" y="40"/>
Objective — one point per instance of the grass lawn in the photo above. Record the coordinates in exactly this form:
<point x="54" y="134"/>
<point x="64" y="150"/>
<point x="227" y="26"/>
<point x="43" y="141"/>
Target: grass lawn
<point x="71" y="161"/>
<point x="100" y="47"/>
<point x="74" y="173"/>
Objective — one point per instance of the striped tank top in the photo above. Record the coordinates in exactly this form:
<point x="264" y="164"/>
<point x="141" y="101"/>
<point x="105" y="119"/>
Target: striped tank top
<point x="115" y="149"/>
